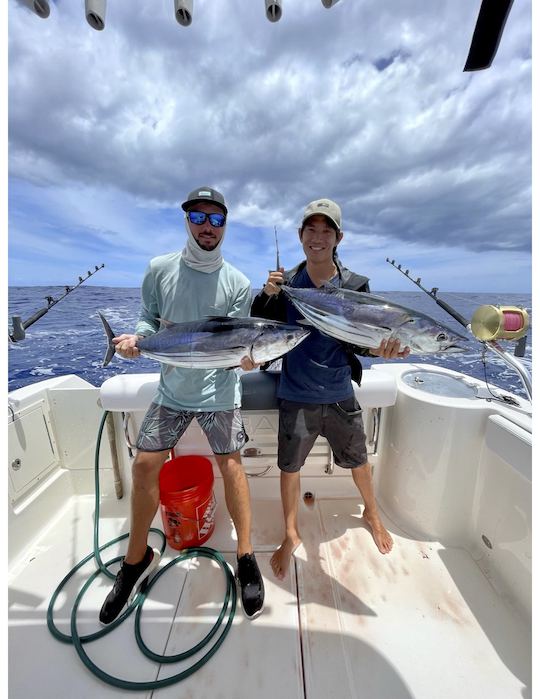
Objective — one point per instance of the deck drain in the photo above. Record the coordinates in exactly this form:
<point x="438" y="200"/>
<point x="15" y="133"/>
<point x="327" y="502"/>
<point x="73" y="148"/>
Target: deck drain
<point x="309" y="498"/>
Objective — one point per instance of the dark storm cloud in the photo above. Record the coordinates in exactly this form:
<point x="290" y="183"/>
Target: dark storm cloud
<point x="366" y="103"/>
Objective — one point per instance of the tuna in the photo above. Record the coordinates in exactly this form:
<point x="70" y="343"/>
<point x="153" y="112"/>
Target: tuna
<point x="364" y="320"/>
<point x="219" y="342"/>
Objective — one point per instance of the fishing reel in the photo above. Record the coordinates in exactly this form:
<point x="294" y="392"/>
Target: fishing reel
<point x="499" y="323"/>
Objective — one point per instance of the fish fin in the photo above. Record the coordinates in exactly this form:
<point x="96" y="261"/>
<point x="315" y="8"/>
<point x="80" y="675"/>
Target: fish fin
<point x="109" y="354"/>
<point x="303" y="321"/>
<point x="164" y="323"/>
<point x="221" y="318"/>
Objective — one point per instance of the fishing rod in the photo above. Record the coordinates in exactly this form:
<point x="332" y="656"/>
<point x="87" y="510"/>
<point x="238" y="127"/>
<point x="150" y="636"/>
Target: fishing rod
<point x="433" y="293"/>
<point x="488" y="324"/>
<point x="277" y="249"/>
<point x="20" y="326"/>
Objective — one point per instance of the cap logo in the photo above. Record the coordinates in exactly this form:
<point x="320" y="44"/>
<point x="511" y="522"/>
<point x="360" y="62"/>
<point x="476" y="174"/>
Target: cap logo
<point x="205" y="193"/>
<point x="323" y="204"/>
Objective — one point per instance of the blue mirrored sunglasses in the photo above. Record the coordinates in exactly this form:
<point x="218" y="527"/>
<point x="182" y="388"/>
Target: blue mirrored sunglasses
<point x="199" y="217"/>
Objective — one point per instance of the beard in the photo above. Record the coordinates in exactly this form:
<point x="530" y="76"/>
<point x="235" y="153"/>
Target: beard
<point x="208" y="245"/>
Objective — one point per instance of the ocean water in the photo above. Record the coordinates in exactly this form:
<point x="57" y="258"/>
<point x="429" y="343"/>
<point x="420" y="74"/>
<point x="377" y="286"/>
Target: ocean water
<point x="69" y="339"/>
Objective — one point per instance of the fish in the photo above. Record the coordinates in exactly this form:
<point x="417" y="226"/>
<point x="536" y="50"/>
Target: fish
<point x="363" y="320"/>
<point x="215" y="342"/>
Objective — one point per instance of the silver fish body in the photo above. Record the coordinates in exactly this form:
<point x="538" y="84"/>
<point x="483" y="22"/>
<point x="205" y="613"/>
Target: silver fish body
<point x="215" y="343"/>
<point x="364" y="320"/>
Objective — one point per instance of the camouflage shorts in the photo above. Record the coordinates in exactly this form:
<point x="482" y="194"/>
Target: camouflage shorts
<point x="162" y="427"/>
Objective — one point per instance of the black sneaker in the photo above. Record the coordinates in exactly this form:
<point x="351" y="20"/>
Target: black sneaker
<point x="251" y="585"/>
<point x="129" y="579"/>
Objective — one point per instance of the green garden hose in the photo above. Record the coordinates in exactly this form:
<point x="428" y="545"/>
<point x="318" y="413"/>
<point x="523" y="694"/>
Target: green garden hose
<point x="229" y="603"/>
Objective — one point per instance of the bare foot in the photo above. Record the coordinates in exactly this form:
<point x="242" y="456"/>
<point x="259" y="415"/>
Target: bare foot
<point x="380" y="535"/>
<point x="281" y="559"/>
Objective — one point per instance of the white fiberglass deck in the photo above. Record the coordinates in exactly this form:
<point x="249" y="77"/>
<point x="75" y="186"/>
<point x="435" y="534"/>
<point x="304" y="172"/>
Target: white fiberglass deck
<point x="421" y="622"/>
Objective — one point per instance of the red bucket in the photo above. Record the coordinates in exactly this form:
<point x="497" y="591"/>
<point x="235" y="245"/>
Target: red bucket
<point x="187" y="501"/>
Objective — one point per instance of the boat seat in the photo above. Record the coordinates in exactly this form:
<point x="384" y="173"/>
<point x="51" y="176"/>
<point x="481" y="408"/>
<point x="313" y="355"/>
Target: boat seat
<point x="377" y="390"/>
<point x="134" y="392"/>
<point x="259" y="390"/>
<point x="128" y="392"/>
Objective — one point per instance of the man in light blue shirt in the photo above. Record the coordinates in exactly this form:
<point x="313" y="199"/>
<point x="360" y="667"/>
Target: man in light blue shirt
<point x="180" y="287"/>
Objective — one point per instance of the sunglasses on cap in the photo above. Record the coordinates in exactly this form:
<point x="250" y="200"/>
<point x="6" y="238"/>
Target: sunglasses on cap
<point x="199" y="217"/>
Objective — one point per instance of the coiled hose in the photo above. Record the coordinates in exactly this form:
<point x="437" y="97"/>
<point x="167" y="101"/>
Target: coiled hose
<point x="229" y="603"/>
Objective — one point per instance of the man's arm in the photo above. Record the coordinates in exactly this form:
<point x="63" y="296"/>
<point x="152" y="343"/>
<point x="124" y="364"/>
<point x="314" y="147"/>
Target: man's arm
<point x="148" y="322"/>
<point x="270" y="303"/>
<point x="240" y="306"/>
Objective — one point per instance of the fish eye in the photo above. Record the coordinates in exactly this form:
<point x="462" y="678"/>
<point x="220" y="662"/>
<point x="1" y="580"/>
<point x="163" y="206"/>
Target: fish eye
<point x="441" y="337"/>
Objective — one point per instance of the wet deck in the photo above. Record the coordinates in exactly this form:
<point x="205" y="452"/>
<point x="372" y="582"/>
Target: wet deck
<point x="347" y="622"/>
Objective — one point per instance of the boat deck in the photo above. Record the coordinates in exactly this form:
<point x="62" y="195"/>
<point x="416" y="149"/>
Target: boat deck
<point x="347" y="622"/>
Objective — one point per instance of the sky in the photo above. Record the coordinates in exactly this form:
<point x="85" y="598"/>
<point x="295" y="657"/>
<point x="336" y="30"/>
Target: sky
<point x="365" y="103"/>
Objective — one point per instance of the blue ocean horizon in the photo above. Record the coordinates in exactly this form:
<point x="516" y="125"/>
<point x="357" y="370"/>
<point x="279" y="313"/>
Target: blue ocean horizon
<point x="69" y="339"/>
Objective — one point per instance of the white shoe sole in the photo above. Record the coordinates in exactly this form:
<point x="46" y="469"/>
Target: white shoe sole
<point x="145" y="574"/>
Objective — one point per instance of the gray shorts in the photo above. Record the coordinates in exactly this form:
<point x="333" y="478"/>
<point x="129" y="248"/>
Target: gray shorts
<point x="162" y="427"/>
<point x="301" y="423"/>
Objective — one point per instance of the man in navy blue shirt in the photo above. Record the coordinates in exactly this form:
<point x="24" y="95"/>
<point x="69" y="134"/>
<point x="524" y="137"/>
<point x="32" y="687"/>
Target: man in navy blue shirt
<point x="315" y="390"/>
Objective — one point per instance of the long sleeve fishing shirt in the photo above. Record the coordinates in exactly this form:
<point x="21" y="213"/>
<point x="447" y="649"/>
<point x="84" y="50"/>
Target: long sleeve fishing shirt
<point x="175" y="292"/>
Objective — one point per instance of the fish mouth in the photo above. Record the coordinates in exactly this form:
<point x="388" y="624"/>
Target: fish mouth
<point x="454" y="349"/>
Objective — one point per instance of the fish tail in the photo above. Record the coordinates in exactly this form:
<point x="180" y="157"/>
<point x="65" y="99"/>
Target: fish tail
<point x="109" y="354"/>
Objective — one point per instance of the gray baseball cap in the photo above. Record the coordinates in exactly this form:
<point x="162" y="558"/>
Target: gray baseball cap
<point x="204" y="194"/>
<point x="327" y="208"/>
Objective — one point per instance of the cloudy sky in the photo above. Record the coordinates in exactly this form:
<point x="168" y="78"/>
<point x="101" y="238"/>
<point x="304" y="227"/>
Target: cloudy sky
<point x="366" y="103"/>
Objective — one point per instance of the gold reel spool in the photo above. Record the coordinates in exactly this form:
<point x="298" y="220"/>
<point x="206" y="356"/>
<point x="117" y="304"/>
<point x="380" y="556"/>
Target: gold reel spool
<point x="499" y="323"/>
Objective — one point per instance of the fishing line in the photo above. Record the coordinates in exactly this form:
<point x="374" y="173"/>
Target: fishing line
<point x="506" y="399"/>
<point x="78" y="641"/>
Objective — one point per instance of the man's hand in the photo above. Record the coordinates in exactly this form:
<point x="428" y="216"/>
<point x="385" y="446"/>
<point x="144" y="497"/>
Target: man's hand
<point x="248" y="364"/>
<point x="125" y="346"/>
<point x="272" y="286"/>
<point x="390" y="349"/>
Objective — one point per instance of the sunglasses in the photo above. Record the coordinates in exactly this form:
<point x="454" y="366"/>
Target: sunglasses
<point x="199" y="217"/>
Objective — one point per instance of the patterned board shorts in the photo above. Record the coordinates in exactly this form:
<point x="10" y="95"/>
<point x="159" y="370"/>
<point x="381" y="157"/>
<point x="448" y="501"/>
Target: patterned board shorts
<point x="162" y="427"/>
<point x="301" y="423"/>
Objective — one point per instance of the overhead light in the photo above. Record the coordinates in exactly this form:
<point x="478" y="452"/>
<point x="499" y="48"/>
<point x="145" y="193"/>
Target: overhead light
<point x="273" y="10"/>
<point x="183" y="11"/>
<point x="95" y="13"/>
<point x="39" y="7"/>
